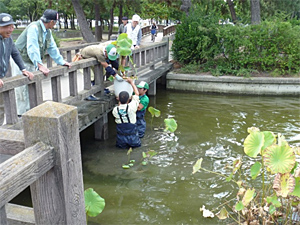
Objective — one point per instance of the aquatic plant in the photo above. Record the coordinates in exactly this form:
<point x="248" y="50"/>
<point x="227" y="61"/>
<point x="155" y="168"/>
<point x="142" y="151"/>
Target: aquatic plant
<point x="147" y="156"/>
<point x="278" y="199"/>
<point x="153" y="112"/>
<point x="94" y="203"/>
<point x="170" y="125"/>
<point x="130" y="162"/>
<point x="123" y="45"/>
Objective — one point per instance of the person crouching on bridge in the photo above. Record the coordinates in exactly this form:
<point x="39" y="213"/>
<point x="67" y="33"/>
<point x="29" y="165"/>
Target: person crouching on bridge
<point x="144" y="102"/>
<point x="125" y="117"/>
<point x="106" y="54"/>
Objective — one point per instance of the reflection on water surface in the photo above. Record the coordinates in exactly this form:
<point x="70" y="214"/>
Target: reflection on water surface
<point x="165" y="191"/>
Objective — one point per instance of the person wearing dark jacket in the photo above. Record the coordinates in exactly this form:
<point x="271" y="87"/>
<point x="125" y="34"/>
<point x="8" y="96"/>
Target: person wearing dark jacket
<point x="8" y="48"/>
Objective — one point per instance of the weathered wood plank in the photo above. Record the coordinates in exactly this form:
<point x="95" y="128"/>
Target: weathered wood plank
<point x="73" y="83"/>
<point x="59" y="192"/>
<point x="56" y="89"/>
<point x="87" y="78"/>
<point x="10" y="106"/>
<point x="11" y="141"/>
<point x="35" y="92"/>
<point x="19" y="215"/>
<point x="3" y="218"/>
<point x="21" y="170"/>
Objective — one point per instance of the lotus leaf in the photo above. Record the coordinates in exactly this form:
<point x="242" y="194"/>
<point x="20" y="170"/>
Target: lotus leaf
<point x="253" y="143"/>
<point x="94" y="204"/>
<point x="255" y="169"/>
<point x="281" y="140"/>
<point x="249" y="195"/>
<point x="239" y="206"/>
<point x="284" y="184"/>
<point x="171" y="125"/>
<point x="279" y="159"/>
<point x="269" y="139"/>
<point x="223" y="214"/>
<point x="274" y="200"/>
<point x="124" y="51"/>
<point x="154" y="112"/>
<point x="197" y="165"/>
<point x="296" y="191"/>
<point x="151" y="153"/>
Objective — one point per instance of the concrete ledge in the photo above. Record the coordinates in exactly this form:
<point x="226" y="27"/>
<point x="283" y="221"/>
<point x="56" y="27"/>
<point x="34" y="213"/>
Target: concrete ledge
<point x="234" y="85"/>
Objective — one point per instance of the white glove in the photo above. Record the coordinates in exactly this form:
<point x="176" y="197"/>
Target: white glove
<point x="119" y="78"/>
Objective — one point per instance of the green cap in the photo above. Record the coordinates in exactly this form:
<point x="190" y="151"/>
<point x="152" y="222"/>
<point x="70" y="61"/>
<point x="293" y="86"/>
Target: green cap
<point x="111" y="52"/>
<point x="143" y="84"/>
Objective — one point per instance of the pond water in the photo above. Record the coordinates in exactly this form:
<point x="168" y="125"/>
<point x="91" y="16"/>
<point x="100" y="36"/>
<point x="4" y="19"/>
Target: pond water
<point x="212" y="127"/>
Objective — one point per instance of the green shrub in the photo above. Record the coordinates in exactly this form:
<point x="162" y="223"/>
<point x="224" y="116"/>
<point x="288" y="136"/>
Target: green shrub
<point x="272" y="46"/>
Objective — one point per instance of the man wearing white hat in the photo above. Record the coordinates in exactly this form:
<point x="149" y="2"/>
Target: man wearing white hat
<point x="134" y="31"/>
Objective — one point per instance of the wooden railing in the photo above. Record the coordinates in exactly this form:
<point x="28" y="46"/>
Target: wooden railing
<point x="143" y="58"/>
<point x="50" y="164"/>
<point x="169" y="30"/>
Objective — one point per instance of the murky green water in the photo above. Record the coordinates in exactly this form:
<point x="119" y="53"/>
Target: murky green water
<point x="165" y="191"/>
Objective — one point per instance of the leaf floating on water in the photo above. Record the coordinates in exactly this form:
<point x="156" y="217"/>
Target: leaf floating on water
<point x="144" y="163"/>
<point x="94" y="203"/>
<point x="171" y="125"/>
<point x="126" y="167"/>
<point x="130" y="164"/>
<point x="223" y="214"/>
<point x="206" y="212"/>
<point x="197" y="165"/>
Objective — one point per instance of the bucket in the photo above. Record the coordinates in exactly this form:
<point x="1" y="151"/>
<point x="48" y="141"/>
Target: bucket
<point x="120" y="86"/>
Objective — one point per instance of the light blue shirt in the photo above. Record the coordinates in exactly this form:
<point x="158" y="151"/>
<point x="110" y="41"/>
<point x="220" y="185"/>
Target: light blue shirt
<point x="33" y="50"/>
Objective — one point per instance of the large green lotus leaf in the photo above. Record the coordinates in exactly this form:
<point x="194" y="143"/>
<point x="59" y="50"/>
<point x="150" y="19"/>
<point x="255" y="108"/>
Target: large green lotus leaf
<point x="94" y="204"/>
<point x="124" y="43"/>
<point x="154" y="112"/>
<point x="279" y="159"/>
<point x="249" y="195"/>
<point x="223" y="214"/>
<point x="253" y="144"/>
<point x="255" y="169"/>
<point x="170" y="124"/>
<point x="296" y="191"/>
<point x="197" y="165"/>
<point x="284" y="184"/>
<point x="124" y="51"/>
<point x="269" y="139"/>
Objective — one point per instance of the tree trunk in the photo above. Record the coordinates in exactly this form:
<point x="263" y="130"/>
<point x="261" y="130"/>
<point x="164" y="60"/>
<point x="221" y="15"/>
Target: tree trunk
<point x="186" y="5"/>
<point x="232" y="10"/>
<point x="111" y="22"/>
<point x="120" y="14"/>
<point x="84" y="27"/>
<point x="255" y="12"/>
<point x="98" y="34"/>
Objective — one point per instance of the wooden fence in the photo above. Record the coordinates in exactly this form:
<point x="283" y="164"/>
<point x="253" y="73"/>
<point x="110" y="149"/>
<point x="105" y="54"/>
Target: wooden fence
<point x="143" y="58"/>
<point x="50" y="164"/>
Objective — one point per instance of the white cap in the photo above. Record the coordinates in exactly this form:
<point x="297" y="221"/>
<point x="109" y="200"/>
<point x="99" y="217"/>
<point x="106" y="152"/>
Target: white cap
<point x="136" y="18"/>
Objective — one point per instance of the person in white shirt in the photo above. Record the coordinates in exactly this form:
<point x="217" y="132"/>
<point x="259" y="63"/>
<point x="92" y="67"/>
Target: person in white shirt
<point x="134" y="31"/>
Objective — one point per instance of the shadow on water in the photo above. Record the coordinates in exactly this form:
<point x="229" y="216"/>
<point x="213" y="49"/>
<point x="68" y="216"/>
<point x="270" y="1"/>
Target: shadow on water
<point x="165" y="191"/>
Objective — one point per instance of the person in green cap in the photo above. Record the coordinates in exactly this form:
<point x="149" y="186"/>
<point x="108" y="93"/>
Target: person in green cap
<point x="106" y="54"/>
<point x="144" y="102"/>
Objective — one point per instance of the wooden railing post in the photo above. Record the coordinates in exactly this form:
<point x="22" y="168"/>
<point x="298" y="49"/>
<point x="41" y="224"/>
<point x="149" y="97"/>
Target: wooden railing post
<point x="57" y="196"/>
<point x="3" y="217"/>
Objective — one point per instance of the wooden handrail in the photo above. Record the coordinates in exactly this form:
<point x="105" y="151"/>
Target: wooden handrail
<point x="143" y="58"/>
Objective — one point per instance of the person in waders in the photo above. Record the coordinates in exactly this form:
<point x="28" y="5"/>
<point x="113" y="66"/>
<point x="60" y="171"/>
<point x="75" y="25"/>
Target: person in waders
<point x="125" y="118"/>
<point x="144" y="102"/>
